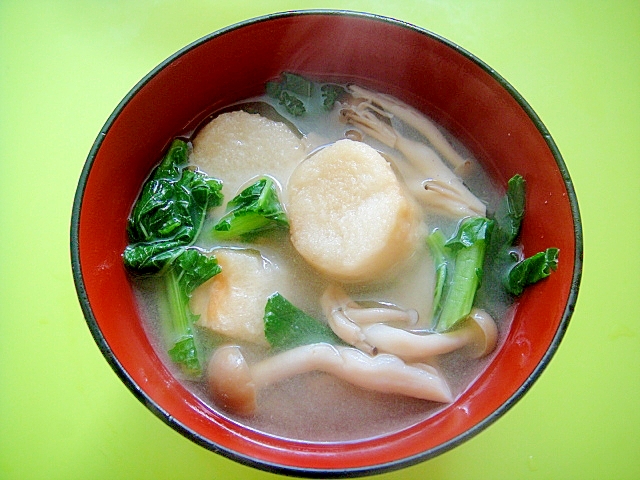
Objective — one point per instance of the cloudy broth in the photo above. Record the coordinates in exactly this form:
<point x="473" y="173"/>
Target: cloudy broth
<point x="318" y="407"/>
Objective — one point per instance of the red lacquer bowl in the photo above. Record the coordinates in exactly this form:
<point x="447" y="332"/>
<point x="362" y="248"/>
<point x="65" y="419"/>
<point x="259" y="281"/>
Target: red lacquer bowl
<point x="439" y="78"/>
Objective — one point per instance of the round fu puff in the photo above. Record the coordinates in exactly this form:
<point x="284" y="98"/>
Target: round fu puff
<point x="350" y="216"/>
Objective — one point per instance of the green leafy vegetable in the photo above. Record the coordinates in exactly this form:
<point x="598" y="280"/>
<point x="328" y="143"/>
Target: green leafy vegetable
<point x="286" y="89"/>
<point x="286" y="326"/>
<point x="297" y="84"/>
<point x="510" y="212"/>
<point x="165" y="220"/>
<point x="188" y="271"/>
<point x="470" y="231"/>
<point x="531" y="270"/>
<point x="293" y="104"/>
<point x="290" y="86"/>
<point x="503" y="256"/>
<point x="331" y="93"/>
<point x="484" y="247"/>
<point x="169" y="212"/>
<point x="274" y="89"/>
<point x="467" y="247"/>
<point x="253" y="211"/>
<point x="184" y="353"/>
<point x="436" y="243"/>
<point x="151" y="257"/>
<point x="192" y="268"/>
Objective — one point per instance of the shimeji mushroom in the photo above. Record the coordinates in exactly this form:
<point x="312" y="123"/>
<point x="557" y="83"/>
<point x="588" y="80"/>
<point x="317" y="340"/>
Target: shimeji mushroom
<point x="414" y="119"/>
<point x="478" y="332"/>
<point x="349" y="320"/>
<point x="235" y="384"/>
<point x="441" y="189"/>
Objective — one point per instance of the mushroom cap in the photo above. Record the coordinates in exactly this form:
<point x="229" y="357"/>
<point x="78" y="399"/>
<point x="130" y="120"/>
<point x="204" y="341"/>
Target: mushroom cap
<point x="230" y="381"/>
<point x="484" y="333"/>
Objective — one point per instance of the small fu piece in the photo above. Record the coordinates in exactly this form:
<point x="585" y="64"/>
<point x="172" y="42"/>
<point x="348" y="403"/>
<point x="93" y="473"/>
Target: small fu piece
<point x="232" y="303"/>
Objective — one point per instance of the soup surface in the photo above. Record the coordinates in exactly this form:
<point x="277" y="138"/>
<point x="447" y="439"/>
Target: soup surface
<point x="261" y="138"/>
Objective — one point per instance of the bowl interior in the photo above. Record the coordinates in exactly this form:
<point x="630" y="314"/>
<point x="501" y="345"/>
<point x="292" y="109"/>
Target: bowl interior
<point x="417" y="67"/>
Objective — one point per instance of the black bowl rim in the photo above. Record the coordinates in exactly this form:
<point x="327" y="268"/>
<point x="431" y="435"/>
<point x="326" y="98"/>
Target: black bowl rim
<point x="313" y="472"/>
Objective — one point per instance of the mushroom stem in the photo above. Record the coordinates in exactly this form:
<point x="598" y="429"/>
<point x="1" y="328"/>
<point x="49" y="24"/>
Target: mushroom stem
<point x="439" y="179"/>
<point x="346" y="317"/>
<point x="424" y="160"/>
<point x="335" y="297"/>
<point x="234" y="384"/>
<point x="364" y="315"/>
<point x="478" y="332"/>
<point x="413" y="118"/>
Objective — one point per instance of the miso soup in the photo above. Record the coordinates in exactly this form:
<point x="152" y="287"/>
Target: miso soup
<point x="336" y="246"/>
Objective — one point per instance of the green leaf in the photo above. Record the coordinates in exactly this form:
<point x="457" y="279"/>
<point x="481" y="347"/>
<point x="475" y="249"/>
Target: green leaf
<point x="274" y="89"/>
<point x="185" y="355"/>
<point x="164" y="222"/>
<point x="470" y="231"/>
<point x="252" y="212"/>
<point x="531" y="270"/>
<point x="504" y="262"/>
<point x="293" y="104"/>
<point x="442" y="260"/>
<point x="169" y="211"/>
<point x="331" y="93"/>
<point x="151" y="257"/>
<point x="468" y="247"/>
<point x="193" y="268"/>
<point x="286" y="89"/>
<point x="286" y="326"/>
<point x="297" y="84"/>
<point x="511" y="210"/>
<point x="176" y="157"/>
<point x="188" y="271"/>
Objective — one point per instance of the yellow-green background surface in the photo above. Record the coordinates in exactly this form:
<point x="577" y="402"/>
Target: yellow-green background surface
<point x="65" y="65"/>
